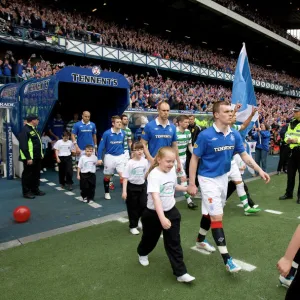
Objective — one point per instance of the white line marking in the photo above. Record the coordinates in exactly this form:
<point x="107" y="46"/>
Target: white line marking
<point x="245" y="266"/>
<point x="95" y="205"/>
<point x="116" y="175"/>
<point x="273" y="211"/>
<point x="123" y="220"/>
<point x="200" y="250"/>
<point x="59" y="188"/>
<point x="298" y="217"/>
<point x="240" y="205"/>
<point x="51" y="183"/>
<point x="79" y="198"/>
<point x="70" y="193"/>
<point x="161" y="236"/>
<point x="43" y="180"/>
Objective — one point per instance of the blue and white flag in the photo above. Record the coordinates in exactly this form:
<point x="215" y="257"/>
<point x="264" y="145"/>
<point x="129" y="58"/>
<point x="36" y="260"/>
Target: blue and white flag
<point x="243" y="92"/>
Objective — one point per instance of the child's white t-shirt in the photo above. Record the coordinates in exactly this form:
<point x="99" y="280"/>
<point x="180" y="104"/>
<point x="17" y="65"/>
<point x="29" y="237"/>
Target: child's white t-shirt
<point x="164" y="184"/>
<point x="64" y="148"/>
<point x="87" y="164"/>
<point x="135" y="171"/>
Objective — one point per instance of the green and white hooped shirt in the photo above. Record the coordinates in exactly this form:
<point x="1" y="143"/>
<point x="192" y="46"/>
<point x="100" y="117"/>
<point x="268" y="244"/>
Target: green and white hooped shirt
<point x="127" y="137"/>
<point x="183" y="140"/>
<point x="236" y="127"/>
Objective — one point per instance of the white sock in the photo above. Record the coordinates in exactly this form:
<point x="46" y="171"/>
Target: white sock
<point x="242" y="195"/>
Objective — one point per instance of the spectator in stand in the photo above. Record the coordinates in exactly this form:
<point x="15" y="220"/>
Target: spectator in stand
<point x="7" y="70"/>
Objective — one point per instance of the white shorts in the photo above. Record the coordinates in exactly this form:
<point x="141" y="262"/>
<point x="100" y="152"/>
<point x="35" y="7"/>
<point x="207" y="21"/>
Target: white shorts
<point x="126" y="157"/>
<point x="112" y="163"/>
<point x="183" y="164"/>
<point x="213" y="192"/>
<point x="234" y="174"/>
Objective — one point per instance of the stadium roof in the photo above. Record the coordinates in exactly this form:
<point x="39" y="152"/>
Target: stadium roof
<point x="284" y="13"/>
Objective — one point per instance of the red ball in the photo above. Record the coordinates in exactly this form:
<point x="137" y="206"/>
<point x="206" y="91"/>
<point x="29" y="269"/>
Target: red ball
<point x="21" y="214"/>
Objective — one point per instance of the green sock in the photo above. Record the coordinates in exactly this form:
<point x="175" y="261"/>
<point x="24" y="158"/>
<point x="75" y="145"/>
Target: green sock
<point x="244" y="200"/>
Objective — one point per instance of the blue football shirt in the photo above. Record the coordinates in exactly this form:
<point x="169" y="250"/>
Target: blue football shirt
<point x="216" y="150"/>
<point x="112" y="142"/>
<point x="84" y="133"/>
<point x="158" y="136"/>
<point x="57" y="127"/>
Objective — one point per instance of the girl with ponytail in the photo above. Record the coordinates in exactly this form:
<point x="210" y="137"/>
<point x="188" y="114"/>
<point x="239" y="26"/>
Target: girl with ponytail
<point x="161" y="214"/>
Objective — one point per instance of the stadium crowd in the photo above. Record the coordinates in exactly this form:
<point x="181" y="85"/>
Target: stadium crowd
<point x="22" y="14"/>
<point x="147" y="91"/>
<point x="253" y="15"/>
<point x="15" y="70"/>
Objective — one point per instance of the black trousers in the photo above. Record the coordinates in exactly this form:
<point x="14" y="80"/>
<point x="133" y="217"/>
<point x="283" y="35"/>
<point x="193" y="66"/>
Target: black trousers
<point x="293" y="293"/>
<point x="65" y="170"/>
<point x="187" y="167"/>
<point x="283" y="157"/>
<point x="151" y="233"/>
<point x="31" y="177"/>
<point x="136" y="202"/>
<point x="88" y="185"/>
<point x="293" y="167"/>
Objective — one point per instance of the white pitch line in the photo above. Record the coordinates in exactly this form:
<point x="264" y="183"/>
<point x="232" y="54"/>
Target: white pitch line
<point x="116" y="175"/>
<point x="200" y="250"/>
<point x="94" y="205"/>
<point x="51" y="183"/>
<point x="275" y="212"/>
<point x="43" y="180"/>
<point x="59" y="188"/>
<point x="240" y="205"/>
<point x="298" y="217"/>
<point x="79" y="198"/>
<point x="123" y="220"/>
<point x="161" y="236"/>
<point x="245" y="266"/>
<point x="70" y="193"/>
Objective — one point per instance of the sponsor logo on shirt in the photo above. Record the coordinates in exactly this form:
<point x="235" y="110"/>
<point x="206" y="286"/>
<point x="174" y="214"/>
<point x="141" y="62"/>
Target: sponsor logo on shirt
<point x="224" y="148"/>
<point x="139" y="171"/>
<point x="116" y="142"/>
<point x="167" y="189"/>
<point x="195" y="145"/>
<point x="163" y="136"/>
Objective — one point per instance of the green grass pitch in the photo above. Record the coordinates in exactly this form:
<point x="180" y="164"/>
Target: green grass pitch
<point x="100" y="262"/>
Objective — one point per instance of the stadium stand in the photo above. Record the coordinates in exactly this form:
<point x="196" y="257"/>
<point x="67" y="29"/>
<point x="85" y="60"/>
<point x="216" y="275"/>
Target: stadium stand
<point x="245" y="10"/>
<point x="147" y="90"/>
<point x="44" y="24"/>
